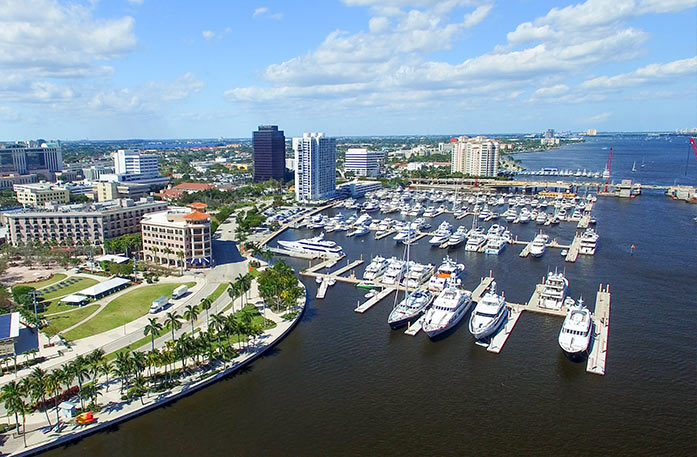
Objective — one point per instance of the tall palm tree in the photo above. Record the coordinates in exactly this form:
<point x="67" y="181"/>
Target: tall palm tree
<point x="206" y="305"/>
<point x="103" y="369"/>
<point x="172" y="321"/>
<point x="38" y="380"/>
<point x="167" y="252"/>
<point x="139" y="362"/>
<point x="139" y="386"/>
<point x="12" y="397"/>
<point x="53" y="388"/>
<point x="94" y="358"/>
<point x="190" y="314"/>
<point x="123" y="367"/>
<point x="218" y="325"/>
<point x="233" y="291"/>
<point x="182" y="262"/>
<point x="80" y="372"/>
<point x="66" y="376"/>
<point x="153" y="328"/>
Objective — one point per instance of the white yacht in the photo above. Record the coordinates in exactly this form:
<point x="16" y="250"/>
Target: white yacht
<point x="410" y="309"/>
<point x="442" y="234"/>
<point x="541" y="218"/>
<point x="376" y="267"/>
<point x="360" y="230"/>
<point x="524" y="216"/>
<point x="539" y="244"/>
<point x="589" y="242"/>
<point x="495" y="244"/>
<point x="488" y="315"/>
<point x="405" y="234"/>
<point x="449" y="270"/>
<point x="394" y="272"/>
<point x="576" y="331"/>
<point x="553" y="291"/>
<point x="365" y="219"/>
<point x="316" y="245"/>
<point x="475" y="242"/>
<point x="458" y="237"/>
<point x="447" y="310"/>
<point x="417" y="275"/>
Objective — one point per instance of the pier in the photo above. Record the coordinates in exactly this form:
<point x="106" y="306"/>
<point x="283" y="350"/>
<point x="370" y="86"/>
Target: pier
<point x="574" y="249"/>
<point x="374" y="300"/>
<point x="416" y="327"/>
<point x="348" y="267"/>
<point x="601" y="323"/>
<point x="497" y="341"/>
<point x="482" y="287"/>
<point x="322" y="289"/>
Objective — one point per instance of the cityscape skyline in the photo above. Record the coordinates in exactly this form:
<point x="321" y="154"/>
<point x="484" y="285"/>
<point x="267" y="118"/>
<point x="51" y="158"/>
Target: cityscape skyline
<point x="128" y="69"/>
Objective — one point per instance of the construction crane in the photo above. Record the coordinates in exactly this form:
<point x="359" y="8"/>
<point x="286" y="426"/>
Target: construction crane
<point x="607" y="169"/>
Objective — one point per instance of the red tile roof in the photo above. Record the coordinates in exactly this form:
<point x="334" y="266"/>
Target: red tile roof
<point x="192" y="186"/>
<point x="197" y="215"/>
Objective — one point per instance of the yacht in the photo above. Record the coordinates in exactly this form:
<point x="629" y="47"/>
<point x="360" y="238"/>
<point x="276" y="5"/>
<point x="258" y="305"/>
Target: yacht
<point x="484" y="213"/>
<point x="524" y="216"/>
<point x="589" y="242"/>
<point x="394" y="272"/>
<point x="576" y="331"/>
<point x="457" y="238"/>
<point x="316" y="245"/>
<point x="475" y="242"/>
<point x="417" y="275"/>
<point x="448" y="271"/>
<point x="495" y="244"/>
<point x="365" y="219"/>
<point x="447" y="310"/>
<point x="360" y="230"/>
<point x="488" y="315"/>
<point x="538" y="246"/>
<point x="405" y="234"/>
<point x="410" y="309"/>
<point x="376" y="267"/>
<point x="553" y="291"/>
<point x="541" y="218"/>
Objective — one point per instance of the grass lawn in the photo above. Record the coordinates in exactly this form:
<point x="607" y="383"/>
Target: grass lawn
<point x="66" y="320"/>
<point x="218" y="292"/>
<point x="83" y="283"/>
<point x="124" y="309"/>
<point x="38" y="285"/>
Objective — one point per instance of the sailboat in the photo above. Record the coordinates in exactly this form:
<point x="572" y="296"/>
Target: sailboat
<point x="642" y="163"/>
<point x="634" y="167"/>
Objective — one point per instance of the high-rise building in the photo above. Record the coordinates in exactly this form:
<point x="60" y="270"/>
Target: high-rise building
<point x="133" y="162"/>
<point x="38" y="157"/>
<point x="477" y="156"/>
<point x="315" y="166"/>
<point x="363" y="162"/>
<point x="269" y="153"/>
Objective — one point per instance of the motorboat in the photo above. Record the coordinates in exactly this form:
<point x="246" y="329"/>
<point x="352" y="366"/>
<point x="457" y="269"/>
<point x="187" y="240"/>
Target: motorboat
<point x="447" y="310"/>
<point x="576" y="331"/>
<point x="376" y="267"/>
<point x="553" y="291"/>
<point x="393" y="274"/>
<point x="538" y="245"/>
<point x="417" y="275"/>
<point x="489" y="314"/>
<point x="359" y="230"/>
<point x="449" y="270"/>
<point x="457" y="238"/>
<point x="410" y="308"/>
<point x="589" y="242"/>
<point x="524" y="216"/>
<point x="316" y="245"/>
<point x="541" y="218"/>
<point x="495" y="244"/>
<point x="405" y="234"/>
<point x="475" y="242"/>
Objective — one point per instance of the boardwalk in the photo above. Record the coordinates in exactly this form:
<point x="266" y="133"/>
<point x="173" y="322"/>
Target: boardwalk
<point x="374" y="300"/>
<point x="572" y="255"/>
<point x="498" y="340"/>
<point x="482" y="287"/>
<point x="601" y="321"/>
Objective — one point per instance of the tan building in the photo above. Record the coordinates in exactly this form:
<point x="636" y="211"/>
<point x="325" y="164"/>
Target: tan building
<point x="38" y="194"/>
<point x="178" y="237"/>
<point x="478" y="156"/>
<point x="92" y="222"/>
<point x="114" y="190"/>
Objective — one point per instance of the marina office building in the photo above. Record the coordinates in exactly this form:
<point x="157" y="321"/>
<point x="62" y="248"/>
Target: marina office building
<point x="92" y="222"/>
<point x="177" y="237"/>
<point x="315" y="167"/>
<point x="478" y="156"/>
<point x="269" y="153"/>
<point x="363" y="162"/>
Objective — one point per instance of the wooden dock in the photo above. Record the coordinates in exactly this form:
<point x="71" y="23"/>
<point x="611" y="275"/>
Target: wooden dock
<point x="348" y="267"/>
<point x="374" y="300"/>
<point x="416" y="327"/>
<point x="482" y="287"/>
<point x="322" y="289"/>
<point x="324" y="264"/>
<point x="498" y="340"/>
<point x="575" y="248"/>
<point x="601" y="320"/>
<point x="526" y="250"/>
<point x="385" y="235"/>
<point x="583" y="223"/>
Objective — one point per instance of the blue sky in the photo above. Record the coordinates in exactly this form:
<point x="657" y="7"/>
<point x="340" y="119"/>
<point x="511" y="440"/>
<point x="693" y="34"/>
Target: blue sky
<point x="180" y="69"/>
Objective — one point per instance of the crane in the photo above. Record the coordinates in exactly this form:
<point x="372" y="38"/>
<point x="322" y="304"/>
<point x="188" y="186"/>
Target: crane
<point x="694" y="146"/>
<point x="607" y="169"/>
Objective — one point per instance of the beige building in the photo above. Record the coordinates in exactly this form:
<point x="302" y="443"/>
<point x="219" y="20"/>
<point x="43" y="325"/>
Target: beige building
<point x="178" y="237"/>
<point x="478" y="156"/>
<point x="114" y="190"/>
<point x="38" y="194"/>
<point x="92" y="222"/>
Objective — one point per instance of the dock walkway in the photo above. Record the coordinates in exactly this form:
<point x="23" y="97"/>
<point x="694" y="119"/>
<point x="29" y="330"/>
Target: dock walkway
<point x="374" y="300"/>
<point x="322" y="289"/>
<point x="498" y="340"/>
<point x="348" y="267"/>
<point x="416" y="327"/>
<point x="482" y="287"/>
<point x="575" y="248"/>
<point x="601" y="320"/>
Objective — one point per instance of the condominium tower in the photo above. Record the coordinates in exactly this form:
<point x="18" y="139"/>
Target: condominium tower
<point x="478" y="156"/>
<point x="269" y="153"/>
<point x="315" y="166"/>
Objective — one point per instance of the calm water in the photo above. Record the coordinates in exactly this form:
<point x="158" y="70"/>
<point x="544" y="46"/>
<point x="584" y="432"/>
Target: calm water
<point x="343" y="384"/>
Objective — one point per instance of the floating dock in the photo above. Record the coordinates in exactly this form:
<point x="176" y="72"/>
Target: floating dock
<point x="583" y="223"/>
<point x="574" y="249"/>
<point x="482" y="287"/>
<point x="324" y="264"/>
<point x="322" y="289"/>
<point x="374" y="300"/>
<point x="498" y="340"/>
<point x="601" y="321"/>
<point x="416" y="327"/>
<point x="385" y="235"/>
<point x="348" y="267"/>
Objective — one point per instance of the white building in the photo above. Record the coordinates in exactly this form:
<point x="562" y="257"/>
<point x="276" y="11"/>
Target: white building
<point x="131" y="161"/>
<point x="478" y="156"/>
<point x="358" y="189"/>
<point x="315" y="167"/>
<point x="363" y="162"/>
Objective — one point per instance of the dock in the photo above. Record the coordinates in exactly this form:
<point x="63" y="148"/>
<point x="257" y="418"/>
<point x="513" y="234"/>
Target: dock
<point x="533" y="305"/>
<point x="526" y="250"/>
<point x="583" y="223"/>
<point x="324" y="264"/>
<point x="385" y="235"/>
<point x="498" y="340"/>
<point x="482" y="287"/>
<point x="348" y="267"/>
<point x="416" y="327"/>
<point x="601" y="321"/>
<point x="374" y="300"/>
<point x="575" y="248"/>
<point x="322" y="289"/>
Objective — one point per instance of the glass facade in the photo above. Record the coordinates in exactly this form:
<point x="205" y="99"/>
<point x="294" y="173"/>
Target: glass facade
<point x="269" y="153"/>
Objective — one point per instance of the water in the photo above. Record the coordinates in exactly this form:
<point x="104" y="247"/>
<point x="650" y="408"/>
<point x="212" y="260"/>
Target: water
<point x="343" y="384"/>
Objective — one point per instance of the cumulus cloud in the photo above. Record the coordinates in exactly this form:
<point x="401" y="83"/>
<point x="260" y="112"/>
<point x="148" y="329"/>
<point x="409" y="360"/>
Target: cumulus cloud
<point x="264" y="11"/>
<point x="645" y="75"/>
<point x="208" y="34"/>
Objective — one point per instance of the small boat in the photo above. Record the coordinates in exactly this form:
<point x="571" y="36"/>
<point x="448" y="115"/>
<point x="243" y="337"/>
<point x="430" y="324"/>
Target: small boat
<point x="564" y="252"/>
<point x="370" y="294"/>
<point x="85" y="418"/>
<point x="359" y="231"/>
<point x="538" y="246"/>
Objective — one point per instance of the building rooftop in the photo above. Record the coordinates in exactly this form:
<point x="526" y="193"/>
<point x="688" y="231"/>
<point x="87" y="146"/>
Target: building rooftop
<point x="192" y="186"/>
<point x="103" y="287"/>
<point x="93" y="207"/>
<point x="9" y="326"/>
<point x="197" y="215"/>
<point x="198" y="205"/>
<point x="176" y="216"/>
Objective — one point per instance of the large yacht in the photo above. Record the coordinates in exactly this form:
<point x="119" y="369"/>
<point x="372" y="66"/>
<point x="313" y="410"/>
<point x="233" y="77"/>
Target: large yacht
<point x="495" y="244"/>
<point x="475" y="242"/>
<point x="589" y="242"/>
<point x="417" y="275"/>
<point x="553" y="291"/>
<point x="448" y="271"/>
<point x="447" y="310"/>
<point x="442" y="234"/>
<point x="376" y="267"/>
<point x="458" y="237"/>
<point x="410" y="309"/>
<point x="538" y="246"/>
<point x="394" y="272"/>
<point x="488" y="315"/>
<point x="576" y="331"/>
<point x="316" y="245"/>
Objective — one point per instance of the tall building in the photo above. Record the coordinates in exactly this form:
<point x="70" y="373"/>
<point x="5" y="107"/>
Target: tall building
<point x="269" y="153"/>
<point x="38" y="157"/>
<point x="363" y="162"/>
<point x="177" y="237"/>
<point x="132" y="166"/>
<point x="478" y="156"/>
<point x="315" y="166"/>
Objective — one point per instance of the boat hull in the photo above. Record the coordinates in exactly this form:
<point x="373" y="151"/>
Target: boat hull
<point x="483" y="333"/>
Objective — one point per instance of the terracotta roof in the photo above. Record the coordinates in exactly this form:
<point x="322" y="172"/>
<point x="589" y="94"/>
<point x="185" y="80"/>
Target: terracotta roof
<point x="197" y="215"/>
<point x="198" y="205"/>
<point x="192" y="186"/>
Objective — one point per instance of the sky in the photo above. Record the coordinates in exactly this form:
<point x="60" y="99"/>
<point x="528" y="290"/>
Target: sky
<point x="118" y="69"/>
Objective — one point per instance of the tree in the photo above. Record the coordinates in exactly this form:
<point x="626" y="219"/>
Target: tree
<point x="206" y="305"/>
<point x="190" y="314"/>
<point x="123" y="367"/>
<point x="12" y="398"/>
<point x="172" y="321"/>
<point x="153" y="328"/>
<point x="139" y="387"/>
<point x="104" y="368"/>
<point x="38" y="380"/>
<point x="182" y="262"/>
<point x="53" y="388"/>
<point x="218" y="325"/>
<point x="80" y="372"/>
<point x="234" y="292"/>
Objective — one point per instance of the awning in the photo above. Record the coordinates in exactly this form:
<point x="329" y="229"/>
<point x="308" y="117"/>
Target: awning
<point x="200" y="261"/>
<point x="74" y="298"/>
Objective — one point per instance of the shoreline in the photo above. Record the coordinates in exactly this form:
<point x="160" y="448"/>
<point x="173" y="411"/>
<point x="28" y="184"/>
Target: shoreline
<point x="180" y="391"/>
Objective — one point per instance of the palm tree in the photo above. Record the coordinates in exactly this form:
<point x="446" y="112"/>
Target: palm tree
<point x="218" y="325"/>
<point x="94" y="358"/>
<point x="66" y="376"/>
<point x="172" y="321"/>
<point x="38" y="379"/>
<point x="123" y="367"/>
<point x="53" y="388"/>
<point x="139" y="362"/>
<point x="206" y="305"/>
<point x="167" y="252"/>
<point x="104" y="368"/>
<point x="233" y="326"/>
<point x="190" y="314"/>
<point x="12" y="398"/>
<point x="180" y="256"/>
<point x="233" y="291"/>
<point x="153" y="328"/>
<point x="139" y="387"/>
<point x="80" y="371"/>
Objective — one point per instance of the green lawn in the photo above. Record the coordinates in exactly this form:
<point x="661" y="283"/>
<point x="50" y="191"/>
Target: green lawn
<point x="38" y="285"/>
<point x="83" y="283"/>
<point x="218" y="292"/>
<point x="60" y="322"/>
<point x="123" y="309"/>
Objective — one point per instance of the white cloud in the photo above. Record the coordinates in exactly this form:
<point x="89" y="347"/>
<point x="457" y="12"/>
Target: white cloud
<point x="266" y="12"/>
<point x="208" y="34"/>
<point x="601" y="117"/>
<point x="646" y="75"/>
<point x="260" y="11"/>
<point x="477" y="16"/>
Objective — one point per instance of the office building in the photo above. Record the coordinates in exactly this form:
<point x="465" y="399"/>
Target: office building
<point x="177" y="237"/>
<point x="358" y="189"/>
<point x="132" y="166"/>
<point x="269" y="153"/>
<point x="39" y="194"/>
<point x="37" y="157"/>
<point x="363" y="162"/>
<point x="95" y="172"/>
<point x="315" y="167"/>
<point x="478" y="156"/>
<point x="107" y="190"/>
<point x="92" y="222"/>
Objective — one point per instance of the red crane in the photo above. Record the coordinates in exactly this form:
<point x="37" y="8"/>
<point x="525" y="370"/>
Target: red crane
<point x="607" y="169"/>
<point x="694" y="146"/>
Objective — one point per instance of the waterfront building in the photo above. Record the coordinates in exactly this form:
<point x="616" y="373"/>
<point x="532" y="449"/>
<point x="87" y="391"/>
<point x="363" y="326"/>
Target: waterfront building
<point x="177" y="237"/>
<point x="363" y="162"/>
<point x="91" y="222"/>
<point x="478" y="156"/>
<point x="35" y="157"/>
<point x="269" y="153"/>
<point x="38" y="194"/>
<point x="315" y="171"/>
<point x="358" y="189"/>
<point x="549" y="141"/>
